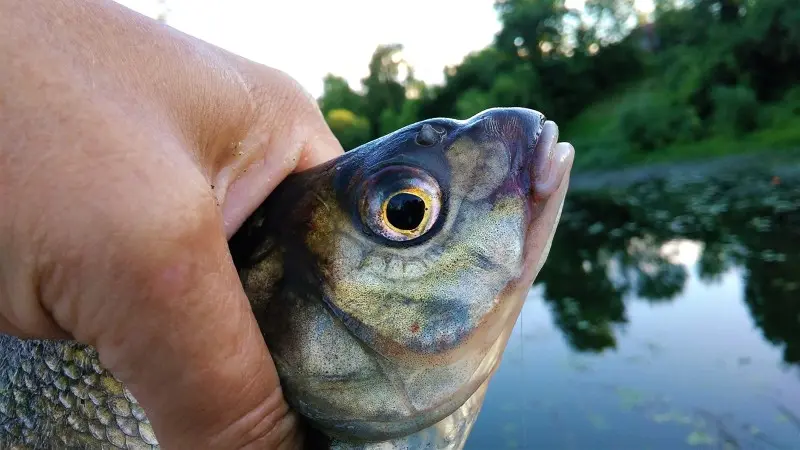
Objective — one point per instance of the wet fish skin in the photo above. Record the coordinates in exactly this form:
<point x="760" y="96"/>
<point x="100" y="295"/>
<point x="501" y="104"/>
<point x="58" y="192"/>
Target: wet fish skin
<point x="450" y="330"/>
<point x="379" y="340"/>
<point x="56" y="394"/>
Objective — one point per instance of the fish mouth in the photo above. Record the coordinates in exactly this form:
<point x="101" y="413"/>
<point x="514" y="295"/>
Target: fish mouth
<point x="551" y="160"/>
<point x="551" y="164"/>
<point x="533" y="139"/>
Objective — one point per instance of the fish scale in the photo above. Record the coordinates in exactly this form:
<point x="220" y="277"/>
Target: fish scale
<point x="84" y="402"/>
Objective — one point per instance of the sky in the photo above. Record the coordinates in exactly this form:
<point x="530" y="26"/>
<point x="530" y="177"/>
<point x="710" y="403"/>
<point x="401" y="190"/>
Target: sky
<point x="310" y="38"/>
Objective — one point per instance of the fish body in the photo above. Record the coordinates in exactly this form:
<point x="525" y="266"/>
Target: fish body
<point x="386" y="283"/>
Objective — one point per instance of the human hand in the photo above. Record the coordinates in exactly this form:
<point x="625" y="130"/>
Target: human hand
<point x="130" y="153"/>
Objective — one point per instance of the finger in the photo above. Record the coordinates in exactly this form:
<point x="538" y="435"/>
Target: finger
<point x="286" y="133"/>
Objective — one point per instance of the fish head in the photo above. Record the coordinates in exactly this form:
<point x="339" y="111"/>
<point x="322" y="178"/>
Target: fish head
<point x="386" y="282"/>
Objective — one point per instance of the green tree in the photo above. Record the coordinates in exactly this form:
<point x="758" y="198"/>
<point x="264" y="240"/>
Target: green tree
<point x="477" y="72"/>
<point x="350" y="129"/>
<point x="385" y="86"/>
<point x="337" y="94"/>
<point x="696" y="60"/>
<point x="612" y="20"/>
<point x="537" y="26"/>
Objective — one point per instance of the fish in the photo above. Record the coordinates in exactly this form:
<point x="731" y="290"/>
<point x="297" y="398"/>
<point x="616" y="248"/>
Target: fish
<point x="386" y="283"/>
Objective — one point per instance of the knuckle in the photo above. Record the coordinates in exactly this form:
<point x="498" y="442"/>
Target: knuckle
<point x="284" y="96"/>
<point x="269" y="424"/>
<point x="22" y="312"/>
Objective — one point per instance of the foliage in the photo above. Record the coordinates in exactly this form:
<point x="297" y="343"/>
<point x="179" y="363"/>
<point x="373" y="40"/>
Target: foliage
<point x="383" y="88"/>
<point x="350" y="129"/>
<point x="339" y="95"/>
<point x="785" y="111"/>
<point x="656" y="122"/>
<point x="703" y="70"/>
<point x="610" y="250"/>
<point x="735" y="109"/>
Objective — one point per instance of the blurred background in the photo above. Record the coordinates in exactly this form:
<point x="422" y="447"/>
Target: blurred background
<point x="668" y="313"/>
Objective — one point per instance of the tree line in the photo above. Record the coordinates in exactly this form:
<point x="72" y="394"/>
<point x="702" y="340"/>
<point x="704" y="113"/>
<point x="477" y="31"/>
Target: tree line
<point x="702" y="67"/>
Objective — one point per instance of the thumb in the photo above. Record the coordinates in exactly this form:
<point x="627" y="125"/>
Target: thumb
<point x="287" y="133"/>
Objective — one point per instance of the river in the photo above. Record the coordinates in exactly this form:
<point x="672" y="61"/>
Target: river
<point x="666" y="317"/>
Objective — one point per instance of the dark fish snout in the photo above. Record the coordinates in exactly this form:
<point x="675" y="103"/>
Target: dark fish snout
<point x="512" y="124"/>
<point x="532" y="141"/>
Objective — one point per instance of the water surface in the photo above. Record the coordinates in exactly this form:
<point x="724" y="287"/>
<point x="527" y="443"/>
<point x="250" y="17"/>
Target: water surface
<point x="666" y="317"/>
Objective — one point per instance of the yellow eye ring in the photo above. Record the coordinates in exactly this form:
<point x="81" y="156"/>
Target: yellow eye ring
<point x="400" y="203"/>
<point x="407" y="212"/>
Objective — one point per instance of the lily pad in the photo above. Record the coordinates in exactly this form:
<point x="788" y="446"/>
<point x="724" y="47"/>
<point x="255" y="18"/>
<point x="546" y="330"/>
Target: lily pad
<point x="598" y="421"/>
<point x="698" y="437"/>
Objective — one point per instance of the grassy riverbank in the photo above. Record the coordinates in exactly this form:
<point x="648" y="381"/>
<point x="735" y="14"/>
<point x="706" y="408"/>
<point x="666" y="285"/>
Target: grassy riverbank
<point x="598" y="135"/>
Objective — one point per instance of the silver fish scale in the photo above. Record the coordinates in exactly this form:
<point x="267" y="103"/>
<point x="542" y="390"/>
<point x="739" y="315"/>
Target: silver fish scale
<point x="88" y="407"/>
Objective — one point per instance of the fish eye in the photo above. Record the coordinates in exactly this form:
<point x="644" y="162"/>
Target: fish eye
<point x="406" y="212"/>
<point x="401" y="205"/>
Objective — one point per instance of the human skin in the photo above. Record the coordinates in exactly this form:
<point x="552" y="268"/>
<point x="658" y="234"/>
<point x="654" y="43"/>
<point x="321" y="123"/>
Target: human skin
<point x="129" y="154"/>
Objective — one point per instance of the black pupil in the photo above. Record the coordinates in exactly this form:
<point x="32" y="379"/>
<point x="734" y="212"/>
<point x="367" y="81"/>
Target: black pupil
<point x="405" y="211"/>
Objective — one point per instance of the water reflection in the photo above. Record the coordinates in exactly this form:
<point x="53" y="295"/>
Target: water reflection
<point x="666" y="317"/>
<point x="641" y="241"/>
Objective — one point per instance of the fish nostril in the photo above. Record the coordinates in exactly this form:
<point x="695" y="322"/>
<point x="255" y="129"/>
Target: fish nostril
<point x="428" y="135"/>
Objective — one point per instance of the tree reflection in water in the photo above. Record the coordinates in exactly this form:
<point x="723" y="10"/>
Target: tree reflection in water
<point x="614" y="245"/>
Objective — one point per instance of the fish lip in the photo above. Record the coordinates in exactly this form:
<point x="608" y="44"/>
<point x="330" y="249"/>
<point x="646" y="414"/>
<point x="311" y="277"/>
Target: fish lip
<point x="546" y="160"/>
<point x="382" y="429"/>
<point x="551" y="160"/>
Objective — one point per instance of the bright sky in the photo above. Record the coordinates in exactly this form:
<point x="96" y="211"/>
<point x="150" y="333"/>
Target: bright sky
<point x="309" y="38"/>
